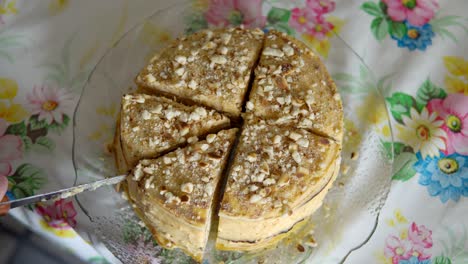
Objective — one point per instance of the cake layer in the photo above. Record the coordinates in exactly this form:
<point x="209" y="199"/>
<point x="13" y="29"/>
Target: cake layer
<point x="175" y="194"/>
<point x="210" y="67"/>
<point x="152" y="125"/>
<point x="292" y="87"/>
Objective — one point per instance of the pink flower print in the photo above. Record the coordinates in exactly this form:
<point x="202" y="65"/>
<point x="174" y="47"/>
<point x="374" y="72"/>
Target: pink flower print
<point x="454" y="111"/>
<point x="420" y="235"/>
<point x="321" y="7"/>
<point x="59" y="215"/>
<point x="49" y="103"/>
<point x="11" y="148"/>
<point x="321" y="28"/>
<point x="417" y="12"/>
<point x="235" y="12"/>
<point x="302" y="19"/>
<point x="397" y="249"/>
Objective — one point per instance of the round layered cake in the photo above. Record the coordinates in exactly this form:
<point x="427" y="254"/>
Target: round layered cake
<point x="231" y="124"/>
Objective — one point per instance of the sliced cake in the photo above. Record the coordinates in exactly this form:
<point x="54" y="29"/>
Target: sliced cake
<point x="152" y="125"/>
<point x="174" y="194"/>
<point x="293" y="87"/>
<point x="210" y="67"/>
<point x="279" y="176"/>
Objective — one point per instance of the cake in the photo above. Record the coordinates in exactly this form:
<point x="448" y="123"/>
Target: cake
<point x="292" y="87"/>
<point x="279" y="175"/>
<point x="210" y="67"/>
<point x="175" y="193"/>
<point x="151" y="125"/>
<point x="287" y="154"/>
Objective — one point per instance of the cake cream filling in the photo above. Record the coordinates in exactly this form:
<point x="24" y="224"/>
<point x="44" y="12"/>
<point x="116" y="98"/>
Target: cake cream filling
<point x="237" y="233"/>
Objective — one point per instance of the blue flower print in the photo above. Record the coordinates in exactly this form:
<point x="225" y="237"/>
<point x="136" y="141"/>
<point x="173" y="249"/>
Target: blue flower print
<point x="416" y="37"/>
<point x="444" y="176"/>
<point x="414" y="260"/>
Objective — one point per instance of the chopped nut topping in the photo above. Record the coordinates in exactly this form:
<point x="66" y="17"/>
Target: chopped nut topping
<point x="192" y="84"/>
<point x="277" y="139"/>
<point x="225" y="38"/>
<point x="204" y="147"/>
<point x="249" y="105"/>
<point x="269" y="182"/>
<point x="218" y="59"/>
<point x="180" y="71"/>
<point x="295" y="136"/>
<point x="187" y="187"/>
<point x="210" y="138"/>
<point x="255" y="198"/>
<point x="145" y="115"/>
<point x="181" y="59"/>
<point x="167" y="160"/>
<point x="252" y="157"/>
<point x="303" y="142"/>
<point x="272" y="52"/>
<point x="288" y="50"/>
<point x="297" y="157"/>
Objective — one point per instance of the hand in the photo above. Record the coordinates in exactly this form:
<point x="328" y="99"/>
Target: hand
<point x="3" y="189"/>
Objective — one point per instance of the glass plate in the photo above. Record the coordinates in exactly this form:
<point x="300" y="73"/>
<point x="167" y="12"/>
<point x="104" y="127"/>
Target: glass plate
<point x="351" y="208"/>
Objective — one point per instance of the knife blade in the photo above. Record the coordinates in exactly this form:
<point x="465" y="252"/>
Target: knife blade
<point x="64" y="193"/>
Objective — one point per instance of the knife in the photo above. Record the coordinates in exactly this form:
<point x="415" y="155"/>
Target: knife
<point x="64" y="193"/>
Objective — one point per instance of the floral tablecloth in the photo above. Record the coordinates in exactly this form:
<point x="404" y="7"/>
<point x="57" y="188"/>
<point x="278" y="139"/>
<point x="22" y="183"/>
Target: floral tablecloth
<point x="416" y="50"/>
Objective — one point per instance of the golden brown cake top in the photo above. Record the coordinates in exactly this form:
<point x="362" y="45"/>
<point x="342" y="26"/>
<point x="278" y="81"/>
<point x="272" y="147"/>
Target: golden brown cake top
<point x="184" y="181"/>
<point x="276" y="169"/>
<point x="151" y="125"/>
<point x="211" y="67"/>
<point x="293" y="87"/>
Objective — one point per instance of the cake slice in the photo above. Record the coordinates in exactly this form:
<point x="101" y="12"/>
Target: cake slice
<point x="293" y="87"/>
<point x="174" y="194"/>
<point x="279" y="176"/>
<point x="152" y="125"/>
<point x="210" y="67"/>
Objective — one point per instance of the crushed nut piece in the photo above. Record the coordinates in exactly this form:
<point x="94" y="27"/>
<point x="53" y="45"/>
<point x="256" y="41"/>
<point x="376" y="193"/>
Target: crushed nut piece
<point x="187" y="187"/>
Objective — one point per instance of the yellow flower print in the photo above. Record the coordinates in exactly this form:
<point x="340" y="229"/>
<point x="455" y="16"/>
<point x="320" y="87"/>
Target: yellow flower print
<point x="153" y="35"/>
<point x="352" y="137"/>
<point x="200" y="4"/>
<point x="13" y="113"/>
<point x="57" y="6"/>
<point x="456" y="80"/>
<point x="372" y="101"/>
<point x="8" y="88"/>
<point x="105" y="131"/>
<point x="8" y="7"/>
<point x="323" y="46"/>
<point x="403" y="233"/>
<point x="65" y="232"/>
<point x="400" y="217"/>
<point x="383" y="259"/>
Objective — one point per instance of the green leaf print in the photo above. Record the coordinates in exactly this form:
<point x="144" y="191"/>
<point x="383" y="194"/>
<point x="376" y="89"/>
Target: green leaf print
<point x="27" y="179"/>
<point x="454" y="246"/>
<point x="18" y="129"/>
<point x="442" y="260"/>
<point x="403" y="165"/>
<point x="400" y="104"/>
<point x="277" y="15"/>
<point x="8" y="42"/>
<point x="379" y="27"/>
<point x="426" y="92"/>
<point x="45" y="142"/>
<point x="440" y="25"/>
<point x="59" y="127"/>
<point x="195" y="22"/>
<point x="397" y="29"/>
<point x="398" y="148"/>
<point x="27" y="143"/>
<point x="373" y="9"/>
<point x="36" y="124"/>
